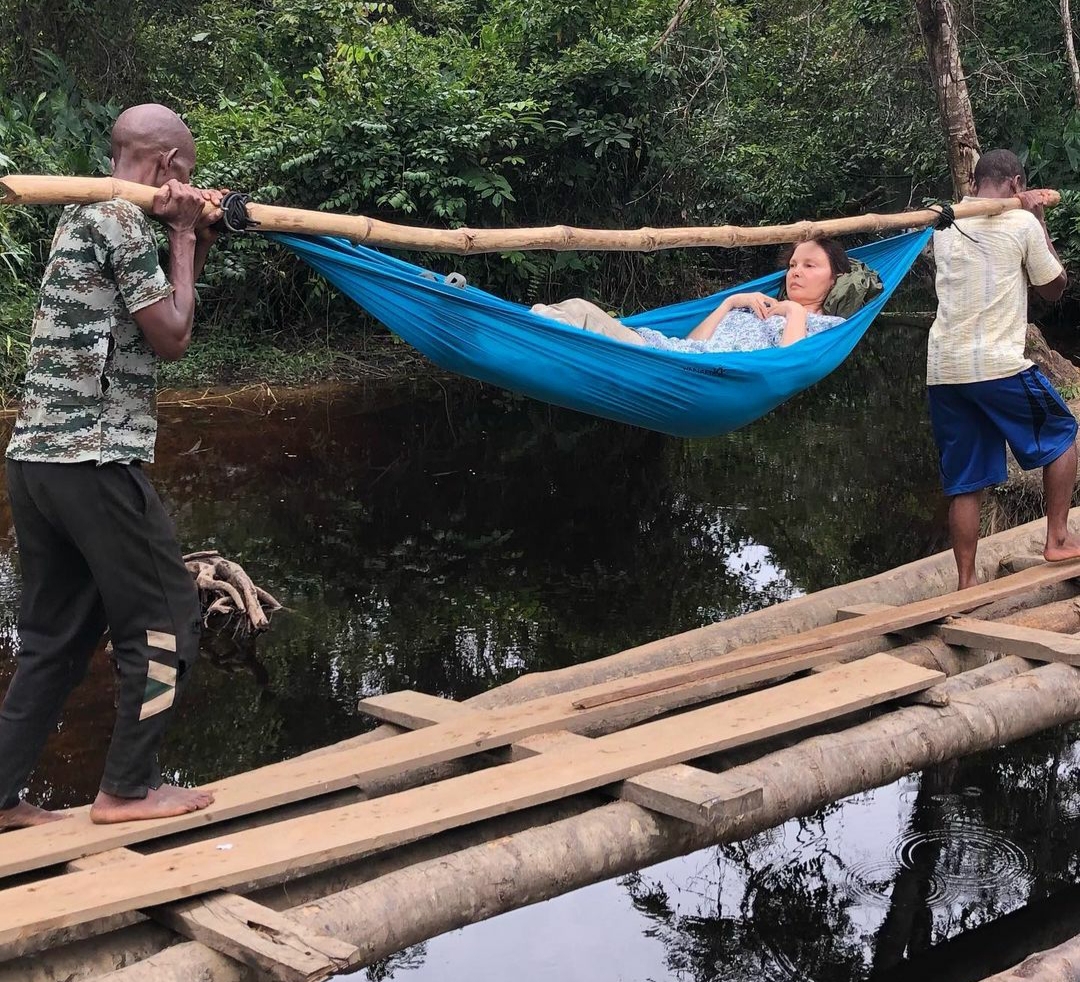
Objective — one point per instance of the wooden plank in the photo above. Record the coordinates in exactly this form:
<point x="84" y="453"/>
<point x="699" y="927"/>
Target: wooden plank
<point x="678" y="790"/>
<point x="861" y="610"/>
<point x="411" y="709"/>
<point x="252" y="934"/>
<point x="344" y="833"/>
<point x="859" y="628"/>
<point x="241" y="929"/>
<point x="1011" y="639"/>
<point x="684" y="792"/>
<point x="294" y="780"/>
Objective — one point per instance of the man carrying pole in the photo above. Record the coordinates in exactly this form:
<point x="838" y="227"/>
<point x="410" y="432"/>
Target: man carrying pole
<point x="96" y="548"/>
<point x="983" y="392"/>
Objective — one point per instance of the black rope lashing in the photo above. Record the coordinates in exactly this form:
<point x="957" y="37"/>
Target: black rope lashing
<point x="234" y="213"/>
<point x="946" y="215"/>
<point x="947" y="219"/>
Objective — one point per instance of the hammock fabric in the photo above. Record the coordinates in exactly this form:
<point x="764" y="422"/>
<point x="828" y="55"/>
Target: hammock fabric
<point x="480" y="335"/>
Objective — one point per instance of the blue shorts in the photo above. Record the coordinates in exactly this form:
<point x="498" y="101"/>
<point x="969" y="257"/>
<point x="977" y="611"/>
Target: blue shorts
<point x="973" y="422"/>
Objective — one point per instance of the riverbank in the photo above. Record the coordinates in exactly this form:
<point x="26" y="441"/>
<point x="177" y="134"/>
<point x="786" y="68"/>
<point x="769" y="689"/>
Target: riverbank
<point x="222" y="367"/>
<point x="221" y="358"/>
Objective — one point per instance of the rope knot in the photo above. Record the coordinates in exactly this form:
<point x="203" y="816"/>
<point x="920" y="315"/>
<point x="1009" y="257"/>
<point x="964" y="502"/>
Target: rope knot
<point x="234" y="214"/>
<point x="947" y="219"/>
<point x="946" y="216"/>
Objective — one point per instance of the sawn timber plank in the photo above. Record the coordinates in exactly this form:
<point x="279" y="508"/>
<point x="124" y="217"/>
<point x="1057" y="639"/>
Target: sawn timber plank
<point x="294" y="780"/>
<point x="869" y="625"/>
<point x="684" y="792"/>
<point x="1011" y="639"/>
<point x="381" y="823"/>
<point x="272" y="943"/>
<point x="660" y="690"/>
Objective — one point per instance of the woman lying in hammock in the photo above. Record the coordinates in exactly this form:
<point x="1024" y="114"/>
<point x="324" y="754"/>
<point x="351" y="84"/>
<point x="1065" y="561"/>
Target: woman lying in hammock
<point x="744" y="321"/>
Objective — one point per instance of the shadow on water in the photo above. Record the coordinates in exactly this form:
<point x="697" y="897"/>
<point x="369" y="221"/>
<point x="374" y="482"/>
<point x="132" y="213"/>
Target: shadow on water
<point x="451" y="539"/>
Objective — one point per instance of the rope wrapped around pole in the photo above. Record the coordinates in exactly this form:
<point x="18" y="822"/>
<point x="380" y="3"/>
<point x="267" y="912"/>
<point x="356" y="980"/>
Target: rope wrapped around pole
<point x="46" y="190"/>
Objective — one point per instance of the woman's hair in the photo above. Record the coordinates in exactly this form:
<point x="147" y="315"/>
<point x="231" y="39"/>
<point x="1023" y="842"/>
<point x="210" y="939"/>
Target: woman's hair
<point x="838" y="259"/>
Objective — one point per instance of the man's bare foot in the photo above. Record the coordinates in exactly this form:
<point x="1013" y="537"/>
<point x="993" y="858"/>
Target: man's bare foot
<point x="967" y="582"/>
<point x="25" y="815"/>
<point x="1062" y="549"/>
<point x="166" y="801"/>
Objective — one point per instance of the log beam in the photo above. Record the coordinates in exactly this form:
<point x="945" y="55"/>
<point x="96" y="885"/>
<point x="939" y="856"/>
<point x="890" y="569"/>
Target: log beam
<point x="1060" y="964"/>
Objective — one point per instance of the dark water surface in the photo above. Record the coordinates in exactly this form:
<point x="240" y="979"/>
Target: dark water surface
<point x="450" y="539"/>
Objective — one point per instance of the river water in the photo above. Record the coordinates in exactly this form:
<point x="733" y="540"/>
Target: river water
<point x="449" y="537"/>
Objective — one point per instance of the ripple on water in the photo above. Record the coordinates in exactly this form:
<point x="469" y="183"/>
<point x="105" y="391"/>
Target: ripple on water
<point x="957" y="862"/>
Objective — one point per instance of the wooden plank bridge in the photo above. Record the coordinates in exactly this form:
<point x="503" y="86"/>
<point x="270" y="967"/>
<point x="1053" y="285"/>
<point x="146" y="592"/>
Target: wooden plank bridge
<point x="74" y="880"/>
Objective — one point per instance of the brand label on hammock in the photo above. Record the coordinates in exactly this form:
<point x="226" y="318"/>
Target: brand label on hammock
<point x="701" y="370"/>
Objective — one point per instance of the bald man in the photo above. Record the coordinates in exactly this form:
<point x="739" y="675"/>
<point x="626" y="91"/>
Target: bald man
<point x="96" y="547"/>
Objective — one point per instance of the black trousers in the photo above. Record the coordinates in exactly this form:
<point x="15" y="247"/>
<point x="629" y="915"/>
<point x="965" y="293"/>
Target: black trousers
<point x="96" y="550"/>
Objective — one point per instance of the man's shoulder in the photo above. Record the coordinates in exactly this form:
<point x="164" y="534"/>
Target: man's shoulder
<point x="112" y="218"/>
<point x="1020" y="218"/>
<point x="992" y="237"/>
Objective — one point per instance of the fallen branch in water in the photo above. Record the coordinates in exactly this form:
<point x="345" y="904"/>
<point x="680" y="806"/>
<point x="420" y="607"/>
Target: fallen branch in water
<point x="225" y="589"/>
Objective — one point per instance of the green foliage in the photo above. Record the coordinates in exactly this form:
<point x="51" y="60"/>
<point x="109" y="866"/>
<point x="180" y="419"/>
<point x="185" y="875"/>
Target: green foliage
<point x="453" y="112"/>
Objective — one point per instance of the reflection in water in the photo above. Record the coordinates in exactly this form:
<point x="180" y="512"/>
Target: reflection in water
<point x="450" y="542"/>
<point x="841" y="896"/>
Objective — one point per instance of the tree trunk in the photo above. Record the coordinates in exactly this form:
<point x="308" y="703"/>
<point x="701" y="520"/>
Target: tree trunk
<point x="1070" y="50"/>
<point x="937" y="21"/>
<point x="1060" y="964"/>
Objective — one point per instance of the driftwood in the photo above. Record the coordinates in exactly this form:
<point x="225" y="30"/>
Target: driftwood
<point x="227" y="592"/>
<point x="29" y="189"/>
<point x="413" y="893"/>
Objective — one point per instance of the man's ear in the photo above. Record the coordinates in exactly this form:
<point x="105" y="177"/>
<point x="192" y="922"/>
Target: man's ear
<point x="165" y="163"/>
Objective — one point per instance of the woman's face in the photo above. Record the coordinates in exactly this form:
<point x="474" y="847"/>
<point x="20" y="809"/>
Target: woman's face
<point x="809" y="275"/>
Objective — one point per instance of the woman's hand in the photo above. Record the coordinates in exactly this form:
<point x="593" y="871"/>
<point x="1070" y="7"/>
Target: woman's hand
<point x="785" y="308"/>
<point x="760" y="304"/>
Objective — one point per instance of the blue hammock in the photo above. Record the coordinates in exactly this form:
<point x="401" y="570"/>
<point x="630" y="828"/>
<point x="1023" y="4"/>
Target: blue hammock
<point x="480" y="335"/>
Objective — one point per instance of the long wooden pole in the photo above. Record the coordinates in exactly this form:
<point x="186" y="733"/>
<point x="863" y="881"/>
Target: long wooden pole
<point x="39" y="190"/>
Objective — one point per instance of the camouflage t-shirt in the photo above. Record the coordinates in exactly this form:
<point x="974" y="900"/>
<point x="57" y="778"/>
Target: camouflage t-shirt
<point x="91" y="378"/>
